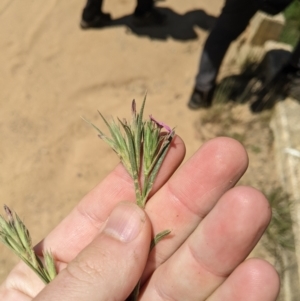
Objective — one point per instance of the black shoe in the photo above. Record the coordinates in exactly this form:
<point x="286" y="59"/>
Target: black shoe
<point x="201" y="99"/>
<point x="151" y="18"/>
<point x="96" y="21"/>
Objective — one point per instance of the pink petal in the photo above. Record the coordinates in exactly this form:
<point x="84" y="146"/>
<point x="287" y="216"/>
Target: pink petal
<point x="161" y="124"/>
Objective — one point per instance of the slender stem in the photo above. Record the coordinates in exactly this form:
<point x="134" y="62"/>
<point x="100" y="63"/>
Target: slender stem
<point x="135" y="293"/>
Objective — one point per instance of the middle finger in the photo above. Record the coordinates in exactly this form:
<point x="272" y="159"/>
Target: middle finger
<point x="191" y="193"/>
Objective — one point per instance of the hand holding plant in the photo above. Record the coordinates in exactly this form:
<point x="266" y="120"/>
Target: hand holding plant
<point x="214" y="228"/>
<point x="141" y="147"/>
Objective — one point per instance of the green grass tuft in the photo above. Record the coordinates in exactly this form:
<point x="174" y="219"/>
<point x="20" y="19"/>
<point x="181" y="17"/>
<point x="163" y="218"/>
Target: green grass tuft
<point x="291" y="30"/>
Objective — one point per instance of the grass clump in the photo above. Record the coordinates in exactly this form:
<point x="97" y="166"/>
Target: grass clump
<point x="279" y="236"/>
<point x="291" y="31"/>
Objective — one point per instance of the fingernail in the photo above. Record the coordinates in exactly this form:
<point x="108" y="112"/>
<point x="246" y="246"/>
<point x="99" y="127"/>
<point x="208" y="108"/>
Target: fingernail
<point x="125" y="222"/>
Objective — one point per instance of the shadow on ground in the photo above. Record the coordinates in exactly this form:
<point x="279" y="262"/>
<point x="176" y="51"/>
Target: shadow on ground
<point x="257" y="83"/>
<point x="178" y="27"/>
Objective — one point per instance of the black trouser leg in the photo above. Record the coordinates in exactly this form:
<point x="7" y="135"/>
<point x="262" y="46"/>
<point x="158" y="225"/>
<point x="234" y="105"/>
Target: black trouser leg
<point x="233" y="20"/>
<point x="92" y="8"/>
<point x="295" y="59"/>
<point x="143" y="6"/>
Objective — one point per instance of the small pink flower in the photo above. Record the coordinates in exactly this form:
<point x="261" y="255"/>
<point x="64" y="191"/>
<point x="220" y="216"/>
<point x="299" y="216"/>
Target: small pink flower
<point x="161" y="124"/>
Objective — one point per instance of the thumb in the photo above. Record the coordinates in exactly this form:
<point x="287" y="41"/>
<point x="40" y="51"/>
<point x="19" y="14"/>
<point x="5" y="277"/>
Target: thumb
<point x="111" y="265"/>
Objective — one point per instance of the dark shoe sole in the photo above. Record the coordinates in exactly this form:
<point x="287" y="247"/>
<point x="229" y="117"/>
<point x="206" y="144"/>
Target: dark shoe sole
<point x="98" y="22"/>
<point x="200" y="99"/>
<point x="196" y="106"/>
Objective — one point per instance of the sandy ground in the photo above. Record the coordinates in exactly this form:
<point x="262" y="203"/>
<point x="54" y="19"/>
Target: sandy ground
<point x="52" y="73"/>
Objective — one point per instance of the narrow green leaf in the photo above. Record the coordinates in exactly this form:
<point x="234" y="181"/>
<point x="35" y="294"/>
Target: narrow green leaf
<point x="157" y="165"/>
<point x="132" y="159"/>
<point x="23" y="233"/>
<point x="113" y="134"/>
<point x="133" y="116"/>
<point x="130" y="148"/>
<point x="96" y="128"/>
<point x="152" y="146"/>
<point x="14" y="245"/>
<point x="158" y="237"/>
<point x="139" y="133"/>
<point x="4" y="225"/>
<point x="135" y="293"/>
<point x="109" y="141"/>
<point x="50" y="265"/>
<point x="118" y="136"/>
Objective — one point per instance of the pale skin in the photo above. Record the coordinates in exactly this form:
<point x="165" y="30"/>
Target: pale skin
<point x="102" y="245"/>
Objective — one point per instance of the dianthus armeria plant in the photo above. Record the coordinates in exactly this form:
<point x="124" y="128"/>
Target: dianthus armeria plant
<point x="15" y="235"/>
<point x="141" y="146"/>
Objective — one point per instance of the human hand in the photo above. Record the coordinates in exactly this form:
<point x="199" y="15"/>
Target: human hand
<point x="214" y="228"/>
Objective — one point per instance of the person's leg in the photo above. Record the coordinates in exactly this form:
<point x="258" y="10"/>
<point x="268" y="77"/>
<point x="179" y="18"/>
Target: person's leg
<point x="92" y="16"/>
<point x="233" y="20"/>
<point x="143" y="6"/>
<point x="295" y="59"/>
<point x="92" y="7"/>
<point x="146" y="15"/>
<point x="294" y="84"/>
